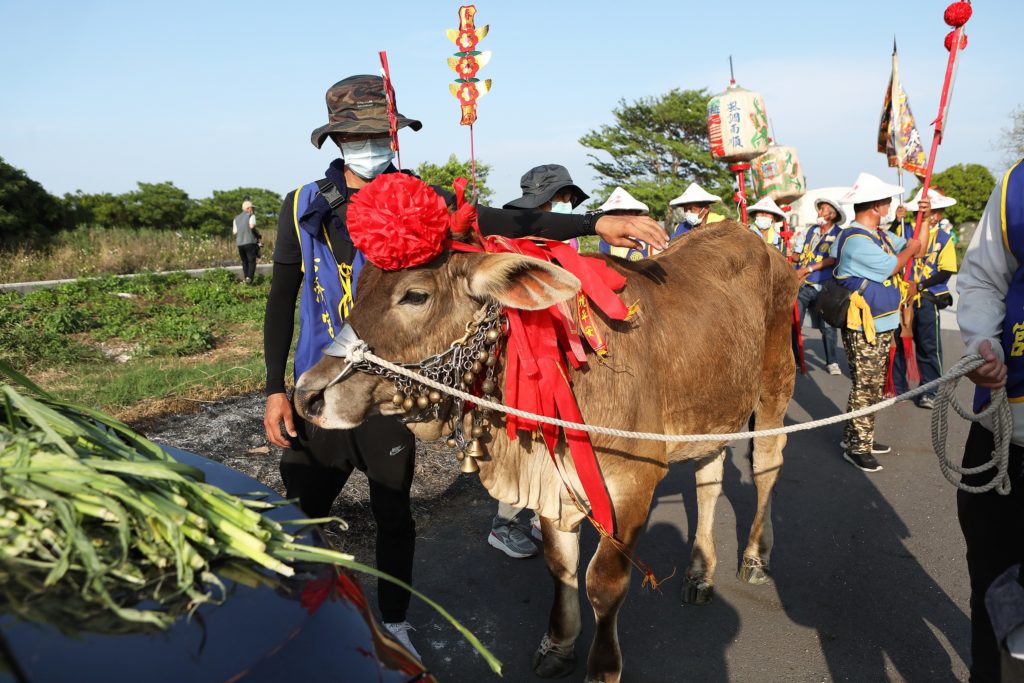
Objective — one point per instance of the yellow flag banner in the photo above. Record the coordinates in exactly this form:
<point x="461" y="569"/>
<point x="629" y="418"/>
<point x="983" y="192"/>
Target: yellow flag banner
<point x="898" y="138"/>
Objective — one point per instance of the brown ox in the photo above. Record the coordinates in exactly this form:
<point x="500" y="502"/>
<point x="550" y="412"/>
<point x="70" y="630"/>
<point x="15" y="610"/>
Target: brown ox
<point x="710" y="349"/>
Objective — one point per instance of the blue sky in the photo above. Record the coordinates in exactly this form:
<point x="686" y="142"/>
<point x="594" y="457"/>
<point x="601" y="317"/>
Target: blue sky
<point x="217" y="95"/>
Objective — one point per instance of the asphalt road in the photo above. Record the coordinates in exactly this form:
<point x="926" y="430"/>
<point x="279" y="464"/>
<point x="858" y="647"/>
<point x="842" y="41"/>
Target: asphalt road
<point x="869" y="578"/>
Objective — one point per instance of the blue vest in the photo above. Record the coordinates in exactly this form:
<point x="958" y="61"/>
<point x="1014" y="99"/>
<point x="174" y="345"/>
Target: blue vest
<point x="1012" y="219"/>
<point x="883" y="298"/>
<point x="628" y="253"/>
<point x="816" y="249"/>
<point x="925" y="267"/>
<point x="681" y="230"/>
<point x="328" y="288"/>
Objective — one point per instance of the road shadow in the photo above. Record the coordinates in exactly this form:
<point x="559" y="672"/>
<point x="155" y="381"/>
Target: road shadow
<point x="841" y="565"/>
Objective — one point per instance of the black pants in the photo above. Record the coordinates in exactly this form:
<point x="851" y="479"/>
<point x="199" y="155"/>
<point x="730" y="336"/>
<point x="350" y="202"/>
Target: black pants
<point x="248" y="252"/>
<point x="927" y="348"/>
<point x="993" y="527"/>
<point x="317" y="467"/>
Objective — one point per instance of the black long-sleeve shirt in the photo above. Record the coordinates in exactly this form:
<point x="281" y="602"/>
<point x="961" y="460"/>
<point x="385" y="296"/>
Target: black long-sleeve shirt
<point x="279" y="321"/>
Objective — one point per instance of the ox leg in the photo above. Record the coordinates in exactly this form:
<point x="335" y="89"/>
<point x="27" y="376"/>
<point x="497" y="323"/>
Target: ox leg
<point x="608" y="579"/>
<point x="699" y="584"/>
<point x="767" y="463"/>
<point x="556" y="656"/>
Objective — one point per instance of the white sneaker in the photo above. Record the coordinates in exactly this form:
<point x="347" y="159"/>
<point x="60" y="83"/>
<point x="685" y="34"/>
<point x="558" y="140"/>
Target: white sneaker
<point x="400" y="631"/>
<point x="535" y="529"/>
<point x="833" y="369"/>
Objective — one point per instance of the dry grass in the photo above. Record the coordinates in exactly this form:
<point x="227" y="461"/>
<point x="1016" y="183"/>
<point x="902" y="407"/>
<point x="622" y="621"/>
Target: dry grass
<point x="97" y="251"/>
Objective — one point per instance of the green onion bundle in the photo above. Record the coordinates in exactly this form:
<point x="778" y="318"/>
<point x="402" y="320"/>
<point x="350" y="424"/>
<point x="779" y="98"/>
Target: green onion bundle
<point x="101" y="530"/>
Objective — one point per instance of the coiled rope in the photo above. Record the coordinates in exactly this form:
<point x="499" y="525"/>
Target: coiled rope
<point x="998" y="409"/>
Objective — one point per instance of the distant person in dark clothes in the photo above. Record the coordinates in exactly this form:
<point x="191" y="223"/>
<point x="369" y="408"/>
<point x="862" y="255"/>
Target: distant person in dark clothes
<point x="246" y="237"/>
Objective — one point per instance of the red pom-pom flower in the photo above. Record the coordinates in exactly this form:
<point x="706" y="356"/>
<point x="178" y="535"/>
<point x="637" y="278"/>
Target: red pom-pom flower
<point x="958" y="13"/>
<point x="398" y="222"/>
<point x="948" y="42"/>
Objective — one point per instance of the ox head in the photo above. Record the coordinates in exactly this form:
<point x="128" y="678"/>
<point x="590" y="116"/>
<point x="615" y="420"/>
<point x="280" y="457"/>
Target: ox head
<point x="407" y="315"/>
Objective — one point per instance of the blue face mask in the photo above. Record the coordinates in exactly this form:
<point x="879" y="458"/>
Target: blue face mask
<point x="561" y="207"/>
<point x="367" y="158"/>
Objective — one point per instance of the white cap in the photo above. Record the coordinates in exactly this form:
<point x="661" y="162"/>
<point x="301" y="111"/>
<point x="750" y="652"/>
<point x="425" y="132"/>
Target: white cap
<point x="620" y="200"/>
<point x="246" y="205"/>
<point x="695" y="194"/>
<point x="840" y="214"/>
<point x="869" y="188"/>
<point x="768" y="205"/>
<point x="939" y="200"/>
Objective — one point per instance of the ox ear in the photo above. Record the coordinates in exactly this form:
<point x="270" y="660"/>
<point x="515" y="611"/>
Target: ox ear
<point x="521" y="282"/>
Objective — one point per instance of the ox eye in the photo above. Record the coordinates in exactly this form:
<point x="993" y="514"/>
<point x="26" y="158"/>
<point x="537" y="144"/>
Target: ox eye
<point x="415" y="297"/>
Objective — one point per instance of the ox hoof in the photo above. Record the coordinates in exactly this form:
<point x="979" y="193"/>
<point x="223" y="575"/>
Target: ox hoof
<point x="753" y="571"/>
<point x="696" y="591"/>
<point x="553" y="661"/>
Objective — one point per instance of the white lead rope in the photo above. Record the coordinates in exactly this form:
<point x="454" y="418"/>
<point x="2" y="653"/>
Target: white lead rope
<point x="999" y="409"/>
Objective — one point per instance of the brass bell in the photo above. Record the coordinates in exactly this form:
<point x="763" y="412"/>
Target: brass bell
<point x="492" y="335"/>
<point x="460" y="456"/>
<point x="468" y="377"/>
<point x="451" y="443"/>
<point x="434" y="396"/>
<point x="469" y="466"/>
<point x="475" y="449"/>
<point x="482" y="356"/>
<point x="398" y="399"/>
<point x="408" y="403"/>
<point x="478" y="431"/>
<point x="422" y="402"/>
<point x="491" y="361"/>
<point x="488" y="386"/>
<point x="477" y="368"/>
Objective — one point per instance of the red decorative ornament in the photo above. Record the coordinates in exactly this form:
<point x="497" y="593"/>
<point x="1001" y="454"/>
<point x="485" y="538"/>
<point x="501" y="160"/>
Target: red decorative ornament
<point x="958" y="14"/>
<point x="948" y="42"/>
<point x="398" y="221"/>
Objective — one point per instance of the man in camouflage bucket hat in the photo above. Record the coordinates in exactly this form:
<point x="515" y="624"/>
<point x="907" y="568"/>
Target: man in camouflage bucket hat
<point x="356" y="106"/>
<point x="313" y="253"/>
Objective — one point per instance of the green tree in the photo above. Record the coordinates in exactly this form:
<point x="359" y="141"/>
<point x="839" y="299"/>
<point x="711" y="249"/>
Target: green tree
<point x="444" y="175"/>
<point x="657" y="146"/>
<point x="213" y="215"/>
<point x="104" y="210"/>
<point x="1012" y="140"/>
<point x="970" y="185"/>
<point x="29" y="215"/>
<point x="158" y="205"/>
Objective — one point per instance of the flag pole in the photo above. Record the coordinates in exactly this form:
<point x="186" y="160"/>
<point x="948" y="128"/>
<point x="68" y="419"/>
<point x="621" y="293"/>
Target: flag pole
<point x="955" y="42"/>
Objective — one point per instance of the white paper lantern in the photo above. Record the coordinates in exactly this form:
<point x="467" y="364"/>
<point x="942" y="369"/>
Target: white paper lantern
<point x="737" y="125"/>
<point x="777" y="173"/>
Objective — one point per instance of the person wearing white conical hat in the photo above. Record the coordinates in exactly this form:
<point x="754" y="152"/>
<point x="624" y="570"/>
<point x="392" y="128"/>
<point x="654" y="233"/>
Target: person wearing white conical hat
<point x="622" y="203"/>
<point x="929" y="292"/>
<point x="764" y="215"/>
<point x="695" y="203"/>
<point x="868" y="262"/>
<point x="814" y="265"/>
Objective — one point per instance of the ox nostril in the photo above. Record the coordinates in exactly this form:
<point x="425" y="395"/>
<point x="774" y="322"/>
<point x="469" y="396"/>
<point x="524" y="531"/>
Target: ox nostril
<point x="315" y="405"/>
<point x="310" y="403"/>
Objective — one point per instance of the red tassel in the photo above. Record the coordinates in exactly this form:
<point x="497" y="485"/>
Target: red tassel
<point x="913" y="372"/>
<point x="890" y="388"/>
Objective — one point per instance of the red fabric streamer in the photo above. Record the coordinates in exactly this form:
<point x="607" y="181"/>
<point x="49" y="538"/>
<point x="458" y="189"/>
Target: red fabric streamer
<point x="958" y="14"/>
<point x="398" y="221"/>
<point x="539" y="347"/>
